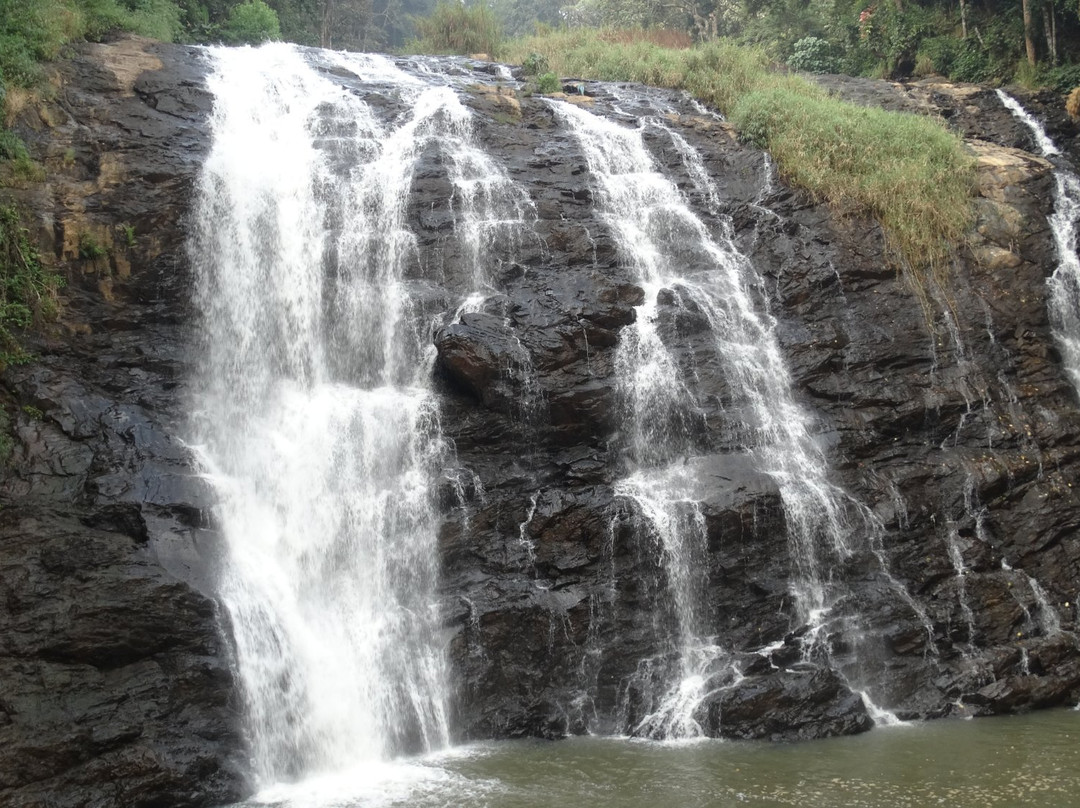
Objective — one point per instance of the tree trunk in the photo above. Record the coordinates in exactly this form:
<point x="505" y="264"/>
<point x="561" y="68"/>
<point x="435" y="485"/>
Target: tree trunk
<point x="1050" y="29"/>
<point x="963" y="19"/>
<point x="327" y="26"/>
<point x="1029" y="34"/>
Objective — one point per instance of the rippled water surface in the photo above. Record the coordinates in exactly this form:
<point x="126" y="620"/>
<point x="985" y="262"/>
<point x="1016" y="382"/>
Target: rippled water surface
<point x="1015" y="761"/>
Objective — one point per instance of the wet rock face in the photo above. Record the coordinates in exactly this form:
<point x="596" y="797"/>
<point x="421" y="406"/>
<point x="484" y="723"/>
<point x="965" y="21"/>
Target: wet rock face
<point x="115" y="682"/>
<point x="957" y="431"/>
<point x="961" y="435"/>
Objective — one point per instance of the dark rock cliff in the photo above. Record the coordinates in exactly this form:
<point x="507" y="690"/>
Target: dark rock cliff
<point x="115" y="685"/>
<point x="962" y="435"/>
<point x="959" y="432"/>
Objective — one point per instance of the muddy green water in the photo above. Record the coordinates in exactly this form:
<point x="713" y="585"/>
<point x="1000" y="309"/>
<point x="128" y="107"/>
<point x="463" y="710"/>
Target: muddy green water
<point x="1016" y="761"/>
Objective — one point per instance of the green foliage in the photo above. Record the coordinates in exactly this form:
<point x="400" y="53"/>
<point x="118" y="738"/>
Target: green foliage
<point x="970" y="63"/>
<point x="129" y="235"/>
<point x="90" y="248"/>
<point x="548" y="83"/>
<point x="521" y="17"/>
<point x="777" y="26"/>
<point x="33" y="412"/>
<point x="937" y="54"/>
<point x="32" y="31"/>
<point x="813" y="54"/>
<point x="158" y="19"/>
<point x="534" y="64"/>
<point x="454" y="27"/>
<point x="891" y="35"/>
<point x="251" y="23"/>
<point x="14" y="151"/>
<point x="627" y="14"/>
<point x="1062" y="79"/>
<point x="27" y="290"/>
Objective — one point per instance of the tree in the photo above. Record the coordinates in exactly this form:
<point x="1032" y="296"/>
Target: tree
<point x="251" y="22"/>
<point x="1029" y="36"/>
<point x="519" y="17"/>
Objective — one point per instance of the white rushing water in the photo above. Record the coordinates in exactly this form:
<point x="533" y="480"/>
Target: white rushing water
<point x="679" y="261"/>
<point x="314" y="417"/>
<point x="1065" y="282"/>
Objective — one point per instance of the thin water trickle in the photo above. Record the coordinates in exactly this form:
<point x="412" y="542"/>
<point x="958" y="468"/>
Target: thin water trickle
<point x="1064" y="284"/>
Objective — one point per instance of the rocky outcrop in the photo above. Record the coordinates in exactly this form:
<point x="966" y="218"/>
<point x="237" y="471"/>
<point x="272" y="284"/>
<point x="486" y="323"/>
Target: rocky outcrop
<point x="960" y="434"/>
<point x="115" y="680"/>
<point x="939" y="426"/>
<point x="942" y="427"/>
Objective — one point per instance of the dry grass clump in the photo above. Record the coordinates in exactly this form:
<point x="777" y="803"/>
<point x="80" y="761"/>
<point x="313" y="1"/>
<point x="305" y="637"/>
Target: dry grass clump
<point x="1072" y="104"/>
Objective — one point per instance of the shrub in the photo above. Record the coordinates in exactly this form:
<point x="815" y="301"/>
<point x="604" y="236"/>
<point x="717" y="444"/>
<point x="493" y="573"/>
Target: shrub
<point x="548" y="83"/>
<point x="1061" y="79"/>
<point x="27" y="290"/>
<point x="32" y="32"/>
<point x="970" y="63"/>
<point x="937" y="54"/>
<point x="14" y="151"/>
<point x="158" y="19"/>
<point x="535" y="64"/>
<point x="892" y="35"/>
<point x="813" y="54"/>
<point x="251" y="23"/>
<point x="454" y="27"/>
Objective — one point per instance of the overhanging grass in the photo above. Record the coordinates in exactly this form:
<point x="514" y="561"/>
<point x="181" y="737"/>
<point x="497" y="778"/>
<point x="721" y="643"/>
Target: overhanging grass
<point x="906" y="171"/>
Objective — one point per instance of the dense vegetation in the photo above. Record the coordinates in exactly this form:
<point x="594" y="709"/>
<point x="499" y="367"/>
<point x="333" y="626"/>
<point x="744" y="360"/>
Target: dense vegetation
<point x="994" y="41"/>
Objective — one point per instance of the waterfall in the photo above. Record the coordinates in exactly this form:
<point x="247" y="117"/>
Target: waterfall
<point x="681" y="263"/>
<point x="1065" y="282"/>
<point x="313" y="416"/>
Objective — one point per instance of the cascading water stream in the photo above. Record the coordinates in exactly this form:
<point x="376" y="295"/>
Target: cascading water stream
<point x="1064" y="222"/>
<point x="680" y="262"/>
<point x="314" y="417"/>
